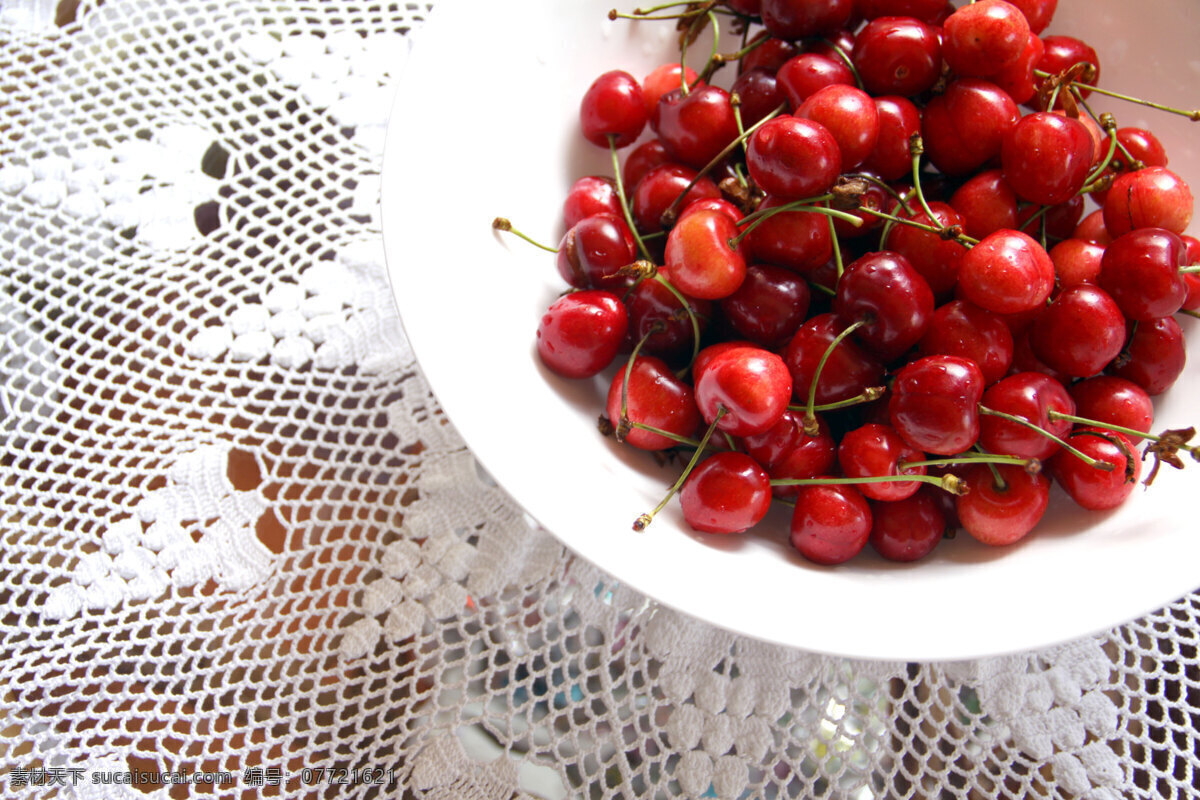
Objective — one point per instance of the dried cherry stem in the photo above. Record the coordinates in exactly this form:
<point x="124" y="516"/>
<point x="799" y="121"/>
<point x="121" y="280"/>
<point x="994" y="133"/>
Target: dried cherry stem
<point x="616" y="163"/>
<point x="644" y="520"/>
<point x="502" y="224"/>
<point x="1191" y="449"/>
<point x="752" y="221"/>
<point x="624" y="424"/>
<point x="810" y="416"/>
<point x="1193" y="115"/>
<point x="949" y="232"/>
<point x="951" y="483"/>
<point x="1082" y="456"/>
<point x="868" y="395"/>
<point x="1031" y="465"/>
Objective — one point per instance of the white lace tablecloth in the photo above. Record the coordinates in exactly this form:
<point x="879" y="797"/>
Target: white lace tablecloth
<point x="242" y="544"/>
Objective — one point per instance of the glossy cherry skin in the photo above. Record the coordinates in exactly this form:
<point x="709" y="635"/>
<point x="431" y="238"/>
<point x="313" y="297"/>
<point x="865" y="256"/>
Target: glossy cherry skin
<point x="1078" y="333"/>
<point x="788" y="452"/>
<point x="1154" y="197"/>
<point x="657" y="398"/>
<point x="899" y="119"/>
<point x="965" y="127"/>
<point x="924" y="10"/>
<point x="1154" y="357"/>
<point x="875" y="450"/>
<point x="1076" y="261"/>
<point x="581" y="333"/>
<point x="1038" y="13"/>
<point x="1017" y="79"/>
<point x="798" y="19"/>
<point x="897" y="55"/>
<point x="769" y="55"/>
<point x="1091" y="228"/>
<point x="789" y="157"/>
<point x="1063" y="52"/>
<point x="982" y="38"/>
<point x="936" y="259"/>
<point x="807" y="73"/>
<point x="759" y="93"/>
<point x="882" y="290"/>
<point x="727" y="493"/>
<point x="797" y="240"/>
<point x="752" y="385"/>
<point x="657" y="316"/>
<point x="985" y="203"/>
<point x="935" y="403"/>
<point x="1140" y="270"/>
<point x="701" y="261"/>
<point x="1002" y="515"/>
<point x="849" y="114"/>
<point x="697" y="126"/>
<point x="1092" y="487"/>
<point x="908" y="529"/>
<point x="662" y="79"/>
<point x="591" y="194"/>
<point x="1046" y="157"/>
<point x="1007" y="272"/>
<point x="848" y="371"/>
<point x="594" y="250"/>
<point x="1030" y="396"/>
<point x="613" y="106"/>
<point x="831" y="523"/>
<point x="962" y="329"/>
<point x="641" y="159"/>
<point x="769" y="307"/>
<point x="660" y="187"/>
<point x="1144" y="146"/>
<point x="1115" y="400"/>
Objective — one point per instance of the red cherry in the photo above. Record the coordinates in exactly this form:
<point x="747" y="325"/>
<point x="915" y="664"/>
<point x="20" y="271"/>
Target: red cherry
<point x="1007" y="272"/>
<point x="1060" y="53"/>
<point x="591" y="252"/>
<point x="1037" y="12"/>
<point x="1030" y="396"/>
<point x="1078" y="333"/>
<point x="1091" y="228"/>
<point x="661" y="186"/>
<point x="849" y="114"/>
<point x="655" y="398"/>
<point x="769" y="306"/>
<point x="965" y="127"/>
<point x="848" y="371"/>
<point x="641" y="159"/>
<point x="899" y="119"/>
<point x="789" y="157"/>
<point x="789" y="453"/>
<point x="831" y="523"/>
<point x="665" y="78"/>
<point x="798" y="19"/>
<point x="807" y="73"/>
<point x="924" y="10"/>
<point x="1143" y="146"/>
<point x="935" y="403"/>
<point x="875" y="450"/>
<point x="727" y="493"/>
<point x="1154" y="357"/>
<point x="962" y="329"/>
<point x="752" y="385"/>
<point x="883" y="290"/>
<point x="580" y="333"/>
<point x="908" y="529"/>
<point x="797" y="240"/>
<point x="759" y="93"/>
<point x="1002" y="514"/>
<point x="657" y="317"/>
<point x="701" y="261"/>
<point x="1017" y="79"/>
<point x="613" y="106"/>
<point x="1076" y="261"/>
<point x="592" y="194"/>
<point x="1140" y="270"/>
<point x="982" y="38"/>
<point x="986" y="203"/>
<point x="769" y="53"/>
<point x="1117" y="401"/>
<point x="1047" y="157"/>
<point x="697" y="126"/>
<point x="1093" y="487"/>
<point x="1154" y="197"/>
<point x="936" y="259"/>
<point x="897" y="55"/>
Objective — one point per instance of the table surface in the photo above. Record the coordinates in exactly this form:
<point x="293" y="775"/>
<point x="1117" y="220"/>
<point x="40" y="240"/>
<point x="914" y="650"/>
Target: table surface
<point x="243" y="546"/>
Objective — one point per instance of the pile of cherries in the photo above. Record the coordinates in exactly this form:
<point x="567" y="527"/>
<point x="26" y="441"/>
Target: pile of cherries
<point x="866" y="280"/>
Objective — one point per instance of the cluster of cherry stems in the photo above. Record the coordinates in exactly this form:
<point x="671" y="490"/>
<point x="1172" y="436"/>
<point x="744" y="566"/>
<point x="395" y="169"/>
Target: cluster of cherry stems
<point x="861" y="280"/>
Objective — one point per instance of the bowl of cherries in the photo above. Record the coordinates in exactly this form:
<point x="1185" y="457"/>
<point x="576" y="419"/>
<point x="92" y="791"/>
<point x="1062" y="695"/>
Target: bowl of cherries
<point x="858" y="326"/>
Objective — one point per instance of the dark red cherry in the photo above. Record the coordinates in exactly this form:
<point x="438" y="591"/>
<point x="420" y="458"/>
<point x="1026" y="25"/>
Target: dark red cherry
<point x="752" y="385"/>
<point x="592" y="252"/>
<point x="935" y="403"/>
<point x="1030" y="396"/>
<point x="1154" y="357"/>
<point x="875" y="450"/>
<point x="924" y="10"/>
<point x="1047" y="157"/>
<point x="1093" y="487"/>
<point x="701" y="261"/>
<point x="981" y="39"/>
<point x="1007" y="272"/>
<point x="799" y="19"/>
<point x="1060" y="53"/>
<point x="790" y="157"/>
<point x="665" y="78"/>
<point x="641" y="159"/>
<point x="798" y="240"/>
<point x="788" y="452"/>
<point x="985" y="203"/>
<point x="769" y="53"/>
<point x="831" y="523"/>
<point x="1079" y="332"/>
<point x="908" y="529"/>
<point x="962" y="329"/>
<point x="885" y="292"/>
<point x="807" y="73"/>
<point x="656" y="315"/>
<point x="661" y="186"/>
<point x="1154" y="197"/>
<point x="727" y="493"/>
<point x="697" y="126"/>
<point x="965" y="127"/>
<point x="1018" y="79"/>
<point x="849" y="114"/>
<point x="613" y="106"/>
<point x="769" y="306"/>
<point x="848" y="371"/>
<point x="759" y="93"/>
<point x="1058" y="221"/>
<point x="581" y="332"/>
<point x="897" y="55"/>
<point x="899" y="119"/>
<point x="657" y="398"/>
<point x="935" y="258"/>
<point x="592" y="194"/>
<point x="1140" y="270"/>
<point x="1117" y="401"/>
<point x="1002" y="513"/>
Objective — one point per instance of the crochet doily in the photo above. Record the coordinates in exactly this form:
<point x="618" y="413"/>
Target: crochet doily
<point x="244" y="548"/>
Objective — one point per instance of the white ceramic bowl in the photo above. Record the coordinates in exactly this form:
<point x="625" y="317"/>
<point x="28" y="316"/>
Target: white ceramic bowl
<point x="486" y="124"/>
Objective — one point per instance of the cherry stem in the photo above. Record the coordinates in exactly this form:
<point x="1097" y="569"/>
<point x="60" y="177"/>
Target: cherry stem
<point x="1131" y="162"/>
<point x="624" y="423"/>
<point x="845" y="57"/>
<point x="1084" y="457"/>
<point x="951" y="483"/>
<point x="687" y="306"/>
<point x="869" y="395"/>
<point x="715" y="61"/>
<point x="502" y="224"/>
<point x="899" y="198"/>
<point x="1187" y="311"/>
<point x="645" y="519"/>
<point x="675" y="437"/>
<point x="1031" y="465"/>
<point x="998" y="481"/>
<point x="951" y="232"/>
<point x="810" y="416"/>
<point x="1191" y="448"/>
<point x="637" y="237"/>
<point x="1194" y="115"/>
<point x="1188" y="271"/>
<point x="1098" y="173"/>
<point x="916" y="148"/>
<point x="806" y="204"/>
